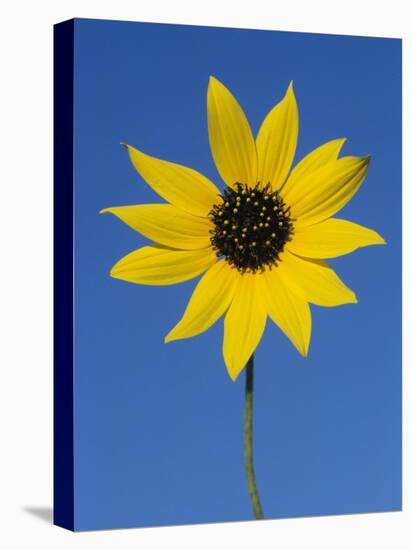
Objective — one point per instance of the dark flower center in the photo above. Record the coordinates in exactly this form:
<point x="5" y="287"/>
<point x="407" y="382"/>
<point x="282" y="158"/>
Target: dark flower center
<point x="251" y="227"/>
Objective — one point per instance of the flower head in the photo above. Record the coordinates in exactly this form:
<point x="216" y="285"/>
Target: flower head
<point x="261" y="242"/>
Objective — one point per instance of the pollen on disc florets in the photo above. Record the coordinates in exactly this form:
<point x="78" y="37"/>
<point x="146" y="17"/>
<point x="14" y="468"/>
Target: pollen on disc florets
<point x="251" y="227"/>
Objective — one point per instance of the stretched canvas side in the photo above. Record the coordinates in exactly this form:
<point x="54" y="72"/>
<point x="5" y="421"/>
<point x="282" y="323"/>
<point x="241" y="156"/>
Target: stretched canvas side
<point x="63" y="276"/>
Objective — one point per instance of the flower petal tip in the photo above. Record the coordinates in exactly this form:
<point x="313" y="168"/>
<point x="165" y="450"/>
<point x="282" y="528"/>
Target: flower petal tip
<point x="233" y="375"/>
<point x="375" y="238"/>
<point x="108" y="210"/>
<point x="169" y="337"/>
<point x="213" y="81"/>
<point x="341" y="142"/>
<point x="290" y="92"/>
<point x="173" y="335"/>
<point x="232" y="371"/>
<point x="113" y="272"/>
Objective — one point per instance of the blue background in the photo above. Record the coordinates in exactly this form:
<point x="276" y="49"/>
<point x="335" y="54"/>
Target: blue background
<point x="158" y="428"/>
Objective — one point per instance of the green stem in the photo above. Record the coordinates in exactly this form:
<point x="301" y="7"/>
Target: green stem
<point x="248" y="427"/>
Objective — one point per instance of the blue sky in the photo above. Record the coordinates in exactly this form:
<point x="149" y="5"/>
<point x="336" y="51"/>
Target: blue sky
<point x="158" y="428"/>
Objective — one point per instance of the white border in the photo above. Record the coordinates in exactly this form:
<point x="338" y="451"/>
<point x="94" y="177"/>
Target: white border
<point x="26" y="271"/>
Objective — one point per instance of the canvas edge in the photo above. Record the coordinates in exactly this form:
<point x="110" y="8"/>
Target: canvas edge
<point x="63" y="400"/>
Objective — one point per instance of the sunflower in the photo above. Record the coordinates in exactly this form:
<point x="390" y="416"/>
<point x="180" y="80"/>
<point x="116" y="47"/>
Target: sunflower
<point x="261" y="242"/>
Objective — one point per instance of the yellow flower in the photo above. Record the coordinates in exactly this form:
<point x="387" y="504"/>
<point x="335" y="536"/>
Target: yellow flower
<point x="261" y="242"/>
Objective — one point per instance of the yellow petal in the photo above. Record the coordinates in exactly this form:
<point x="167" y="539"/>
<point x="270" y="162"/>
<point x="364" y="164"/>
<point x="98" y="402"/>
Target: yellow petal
<point x="276" y="141"/>
<point x="179" y="185"/>
<point x="158" y="265"/>
<point x="314" y="281"/>
<point x="315" y="159"/>
<point x="210" y="299"/>
<point x="244" y="323"/>
<point x="325" y="191"/>
<point x="231" y="140"/>
<point x="166" y="224"/>
<point x="332" y="238"/>
<point x="288" y="310"/>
